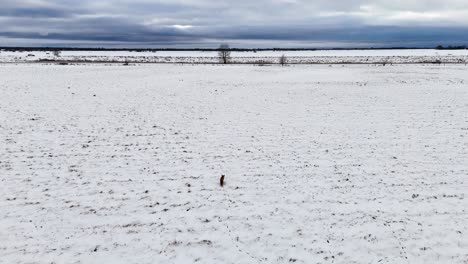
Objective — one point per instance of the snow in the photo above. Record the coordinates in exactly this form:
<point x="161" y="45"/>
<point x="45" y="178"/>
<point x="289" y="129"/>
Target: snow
<point x="297" y="57"/>
<point x="321" y="53"/>
<point x="323" y="164"/>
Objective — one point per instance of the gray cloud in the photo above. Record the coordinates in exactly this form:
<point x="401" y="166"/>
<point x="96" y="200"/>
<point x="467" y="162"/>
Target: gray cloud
<point x="202" y="23"/>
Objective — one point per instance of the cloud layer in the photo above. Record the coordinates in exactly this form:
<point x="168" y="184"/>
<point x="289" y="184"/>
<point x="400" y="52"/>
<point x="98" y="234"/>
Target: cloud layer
<point x="243" y="23"/>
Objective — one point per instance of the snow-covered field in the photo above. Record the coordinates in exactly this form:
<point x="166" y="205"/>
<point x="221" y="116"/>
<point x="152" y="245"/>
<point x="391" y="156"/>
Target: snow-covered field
<point x="268" y="57"/>
<point x="323" y="164"/>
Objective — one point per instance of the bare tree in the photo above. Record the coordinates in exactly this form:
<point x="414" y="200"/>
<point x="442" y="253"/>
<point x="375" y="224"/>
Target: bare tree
<point x="224" y="53"/>
<point x="283" y="60"/>
<point x="57" y="53"/>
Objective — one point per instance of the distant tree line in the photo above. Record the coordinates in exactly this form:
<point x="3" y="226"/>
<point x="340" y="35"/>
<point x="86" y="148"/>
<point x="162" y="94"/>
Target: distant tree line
<point x="51" y="49"/>
<point x="440" y="47"/>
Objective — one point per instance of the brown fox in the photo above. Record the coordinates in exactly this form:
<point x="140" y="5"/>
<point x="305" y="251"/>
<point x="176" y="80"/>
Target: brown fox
<point x="221" y="181"/>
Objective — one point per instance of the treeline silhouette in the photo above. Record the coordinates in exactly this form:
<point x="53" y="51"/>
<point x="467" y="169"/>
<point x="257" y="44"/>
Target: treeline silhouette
<point x="51" y="49"/>
<point x="440" y="47"/>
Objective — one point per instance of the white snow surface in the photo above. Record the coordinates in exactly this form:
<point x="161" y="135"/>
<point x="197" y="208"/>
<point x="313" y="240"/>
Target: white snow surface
<point x="269" y="53"/>
<point x="296" y="57"/>
<point x="342" y="164"/>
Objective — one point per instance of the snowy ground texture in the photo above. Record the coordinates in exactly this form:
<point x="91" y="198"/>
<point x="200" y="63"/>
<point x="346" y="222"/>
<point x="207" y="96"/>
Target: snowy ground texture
<point x="262" y="57"/>
<point x="341" y="164"/>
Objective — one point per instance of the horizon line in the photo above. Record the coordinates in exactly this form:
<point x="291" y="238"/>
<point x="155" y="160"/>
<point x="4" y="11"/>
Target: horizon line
<point x="45" y="48"/>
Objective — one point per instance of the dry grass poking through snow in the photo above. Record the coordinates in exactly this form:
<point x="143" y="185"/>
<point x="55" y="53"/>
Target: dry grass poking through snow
<point x="352" y="164"/>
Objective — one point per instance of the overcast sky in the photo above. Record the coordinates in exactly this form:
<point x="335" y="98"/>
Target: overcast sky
<point x="241" y="23"/>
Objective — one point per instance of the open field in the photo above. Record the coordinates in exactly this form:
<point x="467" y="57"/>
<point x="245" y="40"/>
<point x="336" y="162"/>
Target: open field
<point x="408" y="56"/>
<point x="323" y="164"/>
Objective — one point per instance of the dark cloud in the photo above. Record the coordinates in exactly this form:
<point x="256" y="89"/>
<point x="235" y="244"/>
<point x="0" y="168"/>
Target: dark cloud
<point x="202" y="23"/>
<point x="33" y="12"/>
